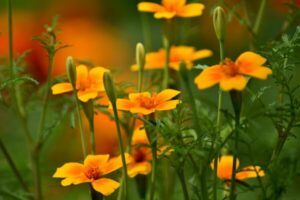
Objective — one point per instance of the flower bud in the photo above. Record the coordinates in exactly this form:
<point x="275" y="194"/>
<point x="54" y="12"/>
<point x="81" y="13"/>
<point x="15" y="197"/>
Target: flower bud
<point x="219" y="20"/>
<point x="109" y="87"/>
<point x="71" y="71"/>
<point x="140" y="56"/>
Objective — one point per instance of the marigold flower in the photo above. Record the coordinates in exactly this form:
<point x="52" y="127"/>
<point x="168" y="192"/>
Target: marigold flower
<point x="92" y="171"/>
<point x="157" y="60"/>
<point x="225" y="169"/>
<point x="231" y="75"/>
<point x="88" y="83"/>
<point x="171" y="8"/>
<point x="141" y="153"/>
<point x="145" y="103"/>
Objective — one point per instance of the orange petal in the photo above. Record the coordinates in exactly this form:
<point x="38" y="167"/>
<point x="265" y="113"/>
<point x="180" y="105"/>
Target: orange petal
<point x="191" y="10"/>
<point x="84" y="96"/>
<point x="166" y="95"/>
<point x="139" y="136"/>
<point x="250" y="59"/>
<point x="69" y="170"/>
<point x="167" y="15"/>
<point x="95" y="160"/>
<point x="204" y="53"/>
<point x="167" y="105"/>
<point x="124" y="104"/>
<point x="115" y="163"/>
<point x="105" y="186"/>
<point x="61" y="88"/>
<point x="96" y="78"/>
<point x="82" y="73"/>
<point x="134" y="96"/>
<point x="173" y="3"/>
<point x="209" y="77"/>
<point x="75" y="180"/>
<point x="250" y="172"/>
<point x="138" y="168"/>
<point x="141" y="110"/>
<point x="233" y="83"/>
<point x="225" y="167"/>
<point x="150" y="7"/>
<point x="257" y="72"/>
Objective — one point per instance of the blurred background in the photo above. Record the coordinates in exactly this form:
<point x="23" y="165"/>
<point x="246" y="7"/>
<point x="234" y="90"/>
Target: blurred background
<point x="105" y="33"/>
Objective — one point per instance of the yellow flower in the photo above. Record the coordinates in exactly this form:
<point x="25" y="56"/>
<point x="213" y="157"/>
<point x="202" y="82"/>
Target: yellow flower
<point x="145" y="103"/>
<point x="88" y="83"/>
<point x="231" y="75"/>
<point x="171" y="8"/>
<point x="157" y="60"/>
<point x="225" y="169"/>
<point x="141" y="153"/>
<point x="92" y="171"/>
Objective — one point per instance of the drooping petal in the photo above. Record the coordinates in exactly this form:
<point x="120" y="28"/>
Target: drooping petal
<point x="250" y="172"/>
<point x="60" y="88"/>
<point x="166" y="95"/>
<point x="191" y="10"/>
<point x="238" y="82"/>
<point x="114" y="164"/>
<point x="84" y="96"/>
<point x="124" y="104"/>
<point x="95" y="161"/>
<point x="167" y="105"/>
<point x="204" y="53"/>
<point x="150" y="7"/>
<point x="257" y="72"/>
<point x="139" y="136"/>
<point x="209" y="77"/>
<point x="250" y="59"/>
<point x="105" y="186"/>
<point x="69" y="170"/>
<point x="167" y="15"/>
<point x="139" y="168"/>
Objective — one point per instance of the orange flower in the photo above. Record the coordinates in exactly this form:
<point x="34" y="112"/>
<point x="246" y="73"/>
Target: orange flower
<point x="141" y="153"/>
<point x="231" y="75"/>
<point x="157" y="60"/>
<point x="225" y="169"/>
<point x="145" y="103"/>
<point x="172" y="8"/>
<point x="88" y="83"/>
<point x="92" y="171"/>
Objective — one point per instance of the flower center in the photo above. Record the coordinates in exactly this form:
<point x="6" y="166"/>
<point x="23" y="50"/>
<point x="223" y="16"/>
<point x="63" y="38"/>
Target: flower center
<point x="92" y="173"/>
<point x="139" y="154"/>
<point x="230" y="68"/>
<point x="147" y="102"/>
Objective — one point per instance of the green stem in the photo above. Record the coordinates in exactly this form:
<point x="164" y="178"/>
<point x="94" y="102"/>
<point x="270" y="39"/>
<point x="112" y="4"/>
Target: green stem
<point x="120" y="140"/>
<point x="92" y="135"/>
<point x="82" y="136"/>
<point x="259" y="17"/>
<point x="183" y="184"/>
<point x="204" y="184"/>
<point x="153" y="174"/>
<point x="166" y="67"/>
<point x="13" y="166"/>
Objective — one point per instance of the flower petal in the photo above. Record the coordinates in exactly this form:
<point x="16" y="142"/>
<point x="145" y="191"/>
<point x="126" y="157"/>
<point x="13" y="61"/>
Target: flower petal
<point x="114" y="164"/>
<point x="139" y="168"/>
<point x="95" y="160"/>
<point x="105" y="186"/>
<point x="250" y="58"/>
<point x="257" y="72"/>
<point x="225" y="167"/>
<point x="71" y="169"/>
<point x="150" y="7"/>
<point x="142" y="110"/>
<point x="84" y="96"/>
<point x="124" y="104"/>
<point x="135" y="96"/>
<point x="250" y="172"/>
<point x="166" y="95"/>
<point x="165" y="14"/>
<point x="139" y="136"/>
<point x="191" y="10"/>
<point x="173" y="3"/>
<point x="81" y="73"/>
<point x="204" y="53"/>
<point x="209" y="77"/>
<point x="167" y="105"/>
<point x="96" y="78"/>
<point x="61" y="88"/>
<point x="233" y="83"/>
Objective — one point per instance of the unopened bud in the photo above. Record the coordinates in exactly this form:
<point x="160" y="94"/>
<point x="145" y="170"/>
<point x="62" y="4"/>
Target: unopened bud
<point x="219" y="20"/>
<point x="71" y="70"/>
<point x="109" y="87"/>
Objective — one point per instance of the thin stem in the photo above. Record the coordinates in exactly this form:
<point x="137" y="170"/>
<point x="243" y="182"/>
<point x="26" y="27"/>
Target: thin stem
<point x="13" y="166"/>
<point x="259" y="17"/>
<point x="166" y="67"/>
<point x="35" y="159"/>
<point x="183" y="184"/>
<point x="204" y="184"/>
<point x="120" y="140"/>
<point x="92" y="135"/>
<point x="82" y="136"/>
<point x="153" y="174"/>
